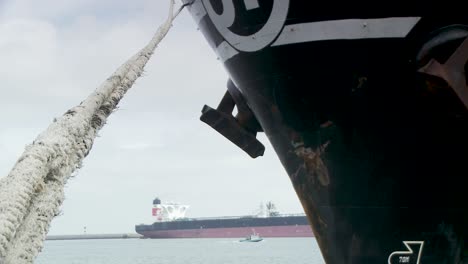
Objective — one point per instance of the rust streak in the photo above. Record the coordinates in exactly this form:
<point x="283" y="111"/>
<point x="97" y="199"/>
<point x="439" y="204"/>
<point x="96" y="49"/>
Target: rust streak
<point x="314" y="163"/>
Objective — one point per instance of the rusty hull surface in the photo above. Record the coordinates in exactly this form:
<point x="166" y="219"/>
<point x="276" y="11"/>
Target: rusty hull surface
<point x="373" y="135"/>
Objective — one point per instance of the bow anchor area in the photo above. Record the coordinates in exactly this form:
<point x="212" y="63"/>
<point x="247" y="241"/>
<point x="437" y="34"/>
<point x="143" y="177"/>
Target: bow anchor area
<point x="453" y="71"/>
<point x="241" y="129"/>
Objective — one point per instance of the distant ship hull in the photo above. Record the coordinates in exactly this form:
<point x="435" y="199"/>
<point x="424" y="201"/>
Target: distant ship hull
<point x="292" y="226"/>
<point x="269" y="231"/>
<point x="360" y="102"/>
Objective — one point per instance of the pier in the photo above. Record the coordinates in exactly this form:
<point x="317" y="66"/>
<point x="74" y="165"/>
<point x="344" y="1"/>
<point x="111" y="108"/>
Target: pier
<point x="93" y="236"/>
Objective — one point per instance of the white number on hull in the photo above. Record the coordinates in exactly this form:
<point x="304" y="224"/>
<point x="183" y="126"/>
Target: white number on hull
<point x="256" y="41"/>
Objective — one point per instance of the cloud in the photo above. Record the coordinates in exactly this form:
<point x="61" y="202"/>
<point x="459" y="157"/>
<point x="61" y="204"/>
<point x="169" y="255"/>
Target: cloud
<point x="138" y="146"/>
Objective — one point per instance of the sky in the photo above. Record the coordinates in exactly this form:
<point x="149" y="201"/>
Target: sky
<point x="53" y="53"/>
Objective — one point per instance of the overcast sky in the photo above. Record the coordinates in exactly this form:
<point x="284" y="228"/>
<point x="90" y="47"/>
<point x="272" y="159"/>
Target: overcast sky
<point x="53" y="53"/>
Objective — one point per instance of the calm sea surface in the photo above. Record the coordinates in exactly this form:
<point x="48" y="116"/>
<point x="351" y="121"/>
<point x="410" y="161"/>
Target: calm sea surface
<point x="181" y="251"/>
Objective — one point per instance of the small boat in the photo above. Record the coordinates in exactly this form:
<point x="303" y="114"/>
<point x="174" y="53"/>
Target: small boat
<point x="254" y="237"/>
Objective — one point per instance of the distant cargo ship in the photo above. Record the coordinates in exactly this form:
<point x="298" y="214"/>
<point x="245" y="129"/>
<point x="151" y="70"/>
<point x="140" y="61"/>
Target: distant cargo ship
<point x="171" y="223"/>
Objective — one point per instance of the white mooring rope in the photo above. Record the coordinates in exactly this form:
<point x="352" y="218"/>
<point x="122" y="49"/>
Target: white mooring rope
<point x="31" y="194"/>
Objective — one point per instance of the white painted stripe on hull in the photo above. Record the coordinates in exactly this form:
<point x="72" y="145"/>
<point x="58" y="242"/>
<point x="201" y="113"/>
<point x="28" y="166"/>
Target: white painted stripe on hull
<point x="225" y="51"/>
<point x="394" y="27"/>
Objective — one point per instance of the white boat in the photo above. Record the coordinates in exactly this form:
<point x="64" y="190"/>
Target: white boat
<point x="254" y="237"/>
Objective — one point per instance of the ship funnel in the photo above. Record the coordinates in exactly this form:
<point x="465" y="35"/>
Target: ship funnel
<point x="156" y="201"/>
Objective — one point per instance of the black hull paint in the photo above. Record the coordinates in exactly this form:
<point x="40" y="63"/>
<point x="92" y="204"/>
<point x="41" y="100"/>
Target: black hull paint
<point x="377" y="151"/>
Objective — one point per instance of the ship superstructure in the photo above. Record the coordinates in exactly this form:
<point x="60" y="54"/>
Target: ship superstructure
<point x="168" y="211"/>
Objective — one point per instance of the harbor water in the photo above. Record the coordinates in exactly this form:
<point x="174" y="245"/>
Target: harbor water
<point x="180" y="251"/>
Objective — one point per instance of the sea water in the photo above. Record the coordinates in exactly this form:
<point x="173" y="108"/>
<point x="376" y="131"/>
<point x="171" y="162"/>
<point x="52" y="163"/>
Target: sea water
<point x="181" y="251"/>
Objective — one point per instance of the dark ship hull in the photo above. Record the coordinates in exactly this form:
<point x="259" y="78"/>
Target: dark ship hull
<point x="366" y="110"/>
<point x="278" y="226"/>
